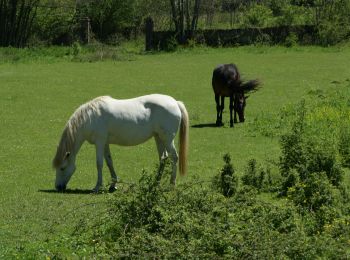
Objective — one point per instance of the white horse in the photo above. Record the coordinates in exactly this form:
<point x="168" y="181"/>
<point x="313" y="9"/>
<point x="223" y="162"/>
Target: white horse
<point x="104" y="120"/>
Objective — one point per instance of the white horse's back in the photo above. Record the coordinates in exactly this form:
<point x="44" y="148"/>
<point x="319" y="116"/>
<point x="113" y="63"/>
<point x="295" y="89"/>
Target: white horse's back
<point x="134" y="121"/>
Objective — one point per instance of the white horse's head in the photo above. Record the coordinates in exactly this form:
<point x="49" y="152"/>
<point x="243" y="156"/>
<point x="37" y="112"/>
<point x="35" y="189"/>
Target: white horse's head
<point x="64" y="172"/>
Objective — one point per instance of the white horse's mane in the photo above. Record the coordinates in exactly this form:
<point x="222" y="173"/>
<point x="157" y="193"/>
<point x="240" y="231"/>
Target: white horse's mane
<point x="83" y="114"/>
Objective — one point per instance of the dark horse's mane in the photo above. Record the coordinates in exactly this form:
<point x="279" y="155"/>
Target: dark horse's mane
<point x="228" y="74"/>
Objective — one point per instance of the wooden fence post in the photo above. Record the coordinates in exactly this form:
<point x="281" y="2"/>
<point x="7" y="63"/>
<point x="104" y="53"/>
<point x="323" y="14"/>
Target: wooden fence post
<point x="85" y="30"/>
<point x="149" y="26"/>
<point x="88" y="30"/>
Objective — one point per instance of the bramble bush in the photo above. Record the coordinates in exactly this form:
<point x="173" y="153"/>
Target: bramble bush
<point x="227" y="181"/>
<point x="306" y="155"/>
<point x="152" y="219"/>
<point x="344" y="145"/>
<point x="257" y="177"/>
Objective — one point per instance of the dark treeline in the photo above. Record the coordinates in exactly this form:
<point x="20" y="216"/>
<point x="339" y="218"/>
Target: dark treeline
<point x="46" y="22"/>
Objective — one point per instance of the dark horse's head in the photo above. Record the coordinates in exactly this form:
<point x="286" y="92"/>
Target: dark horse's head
<point x="240" y="97"/>
<point x="239" y="105"/>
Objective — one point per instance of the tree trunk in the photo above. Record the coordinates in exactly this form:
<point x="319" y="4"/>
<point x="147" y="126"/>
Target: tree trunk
<point x="16" y="19"/>
<point x="195" y="17"/>
<point x="181" y="17"/>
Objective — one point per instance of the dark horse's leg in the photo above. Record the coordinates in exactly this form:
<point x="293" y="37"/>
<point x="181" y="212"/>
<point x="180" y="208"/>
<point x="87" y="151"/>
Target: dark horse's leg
<point x="219" y="109"/>
<point x="235" y="104"/>
<point x="222" y="108"/>
<point x="231" y="108"/>
<point x="235" y="115"/>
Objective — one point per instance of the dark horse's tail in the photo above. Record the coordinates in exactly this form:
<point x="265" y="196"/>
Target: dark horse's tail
<point x="251" y="85"/>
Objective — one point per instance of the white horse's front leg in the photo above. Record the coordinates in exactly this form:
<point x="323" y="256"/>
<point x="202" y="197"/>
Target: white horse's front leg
<point x="99" y="165"/>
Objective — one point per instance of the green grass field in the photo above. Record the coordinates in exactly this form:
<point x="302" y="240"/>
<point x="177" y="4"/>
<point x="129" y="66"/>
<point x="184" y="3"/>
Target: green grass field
<point x="37" y="98"/>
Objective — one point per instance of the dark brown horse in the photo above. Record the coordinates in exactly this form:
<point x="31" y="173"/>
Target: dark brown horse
<point x="227" y="82"/>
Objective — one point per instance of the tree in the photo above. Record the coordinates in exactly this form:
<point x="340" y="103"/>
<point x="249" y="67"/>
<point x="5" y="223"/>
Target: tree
<point x="16" y="20"/>
<point x="209" y="7"/>
<point x="232" y="6"/>
<point x="185" y="15"/>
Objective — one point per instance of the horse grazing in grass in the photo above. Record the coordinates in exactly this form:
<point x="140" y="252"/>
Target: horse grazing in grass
<point x="227" y="82"/>
<point x="104" y="120"/>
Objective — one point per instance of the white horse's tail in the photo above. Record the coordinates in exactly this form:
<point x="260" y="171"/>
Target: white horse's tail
<point x="183" y="139"/>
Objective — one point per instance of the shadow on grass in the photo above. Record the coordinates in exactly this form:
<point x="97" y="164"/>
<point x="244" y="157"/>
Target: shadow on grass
<point x="68" y="191"/>
<point x="204" y="125"/>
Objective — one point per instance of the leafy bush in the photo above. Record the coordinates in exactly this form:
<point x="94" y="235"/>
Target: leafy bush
<point x="109" y="17"/>
<point x="263" y="39"/>
<point x="277" y="6"/>
<point x="226" y="182"/>
<point x="258" y="15"/>
<point x="171" y="44"/>
<point x="291" y="40"/>
<point x="344" y="145"/>
<point x="256" y="177"/>
<point x="312" y="193"/>
<point x="150" y="219"/>
<point x="331" y="33"/>
<point x="333" y="21"/>
<point x="55" y="25"/>
<point x="302" y="153"/>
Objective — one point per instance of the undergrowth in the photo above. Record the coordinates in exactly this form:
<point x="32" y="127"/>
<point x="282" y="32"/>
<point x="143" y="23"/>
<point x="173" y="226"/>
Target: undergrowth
<point x="325" y="121"/>
<point x="227" y="219"/>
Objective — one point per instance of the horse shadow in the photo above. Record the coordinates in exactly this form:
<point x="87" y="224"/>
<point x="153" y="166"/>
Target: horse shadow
<point x="68" y="191"/>
<point x="207" y="125"/>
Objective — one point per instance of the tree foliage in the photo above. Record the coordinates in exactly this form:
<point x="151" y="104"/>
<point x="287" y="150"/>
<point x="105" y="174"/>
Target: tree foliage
<point x="63" y="21"/>
<point x="109" y="16"/>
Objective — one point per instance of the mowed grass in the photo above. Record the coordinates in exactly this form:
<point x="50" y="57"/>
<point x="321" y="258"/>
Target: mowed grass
<point x="37" y="98"/>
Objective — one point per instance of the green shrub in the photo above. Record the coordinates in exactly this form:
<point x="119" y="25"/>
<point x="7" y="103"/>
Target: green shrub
<point x="331" y="33"/>
<point x="171" y="44"/>
<point x="76" y="49"/>
<point x="313" y="192"/>
<point x="152" y="220"/>
<point x="304" y="154"/>
<point x="291" y="143"/>
<point x="291" y="40"/>
<point x="226" y="182"/>
<point x="258" y="15"/>
<point x="263" y="39"/>
<point x="256" y="177"/>
<point x="54" y="25"/>
<point x="109" y="17"/>
<point x="344" y="145"/>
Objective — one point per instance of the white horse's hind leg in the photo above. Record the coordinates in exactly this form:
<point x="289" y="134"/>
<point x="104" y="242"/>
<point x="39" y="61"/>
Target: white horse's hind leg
<point x="162" y="153"/>
<point x="99" y="165"/>
<point x="161" y="148"/>
<point x="174" y="157"/>
<point x="109" y="161"/>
